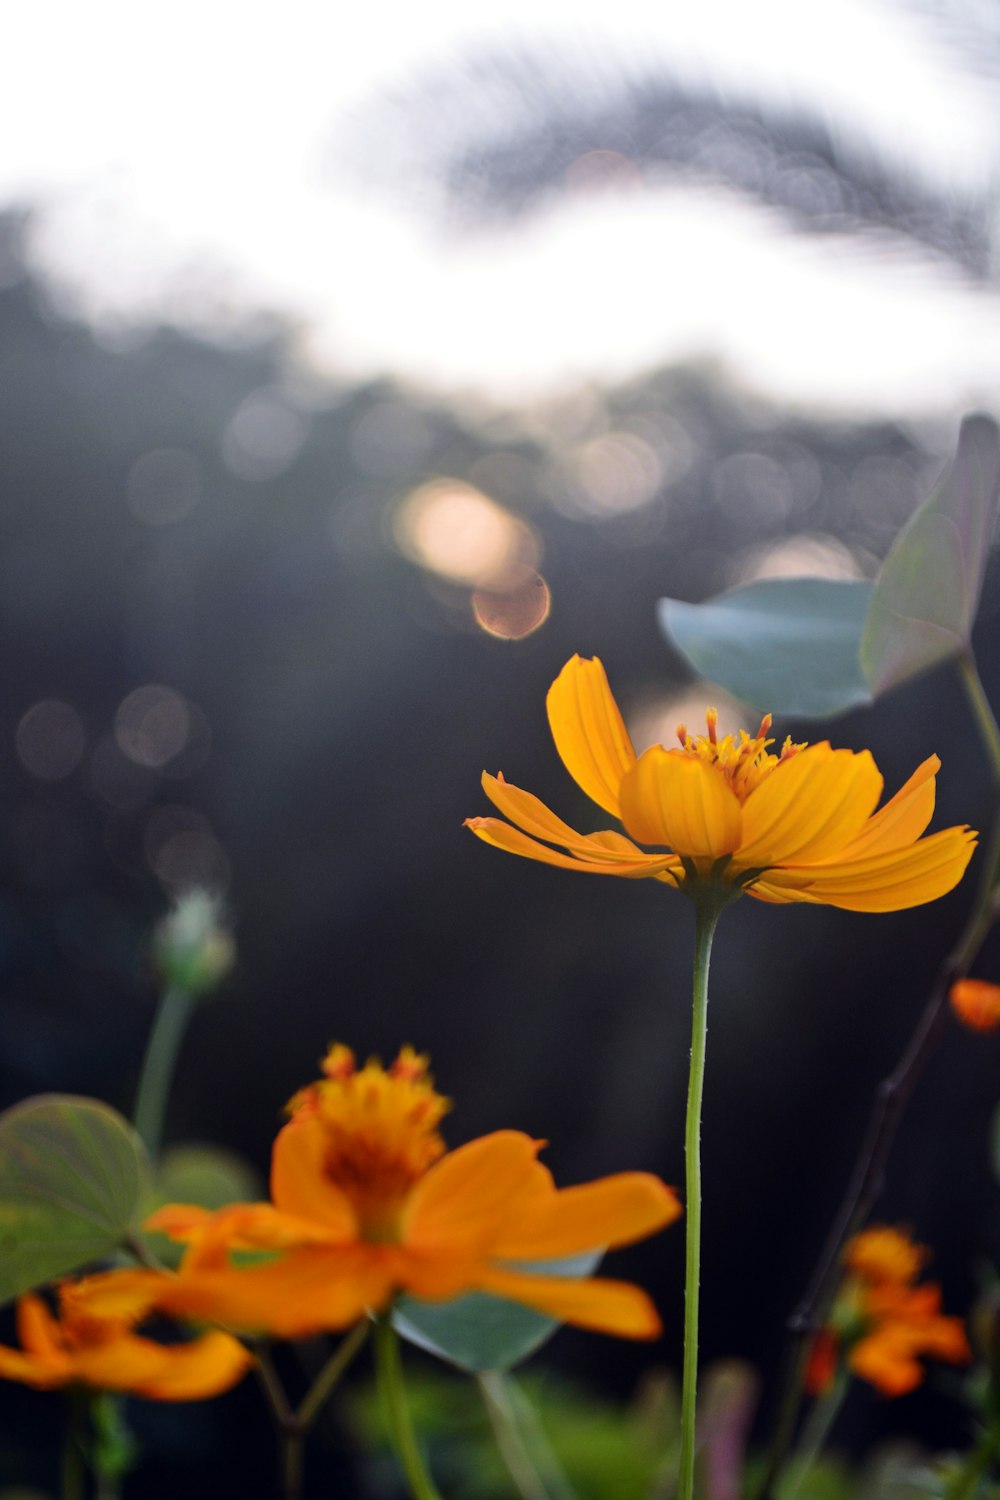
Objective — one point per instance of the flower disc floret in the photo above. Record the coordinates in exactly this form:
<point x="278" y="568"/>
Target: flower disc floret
<point x="799" y="825"/>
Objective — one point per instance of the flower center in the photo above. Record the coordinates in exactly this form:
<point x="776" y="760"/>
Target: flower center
<point x="743" y="759"/>
<point x="380" y="1129"/>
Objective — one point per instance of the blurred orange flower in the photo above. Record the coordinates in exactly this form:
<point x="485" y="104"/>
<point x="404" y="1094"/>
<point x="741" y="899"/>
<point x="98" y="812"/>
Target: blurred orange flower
<point x="799" y="825"/>
<point x="976" y="1003"/>
<point x="881" y="1323"/>
<point x="368" y="1203"/>
<point x="105" y="1354"/>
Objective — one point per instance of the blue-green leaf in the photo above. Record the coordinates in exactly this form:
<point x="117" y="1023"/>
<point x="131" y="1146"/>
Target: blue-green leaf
<point x="928" y="591"/>
<point x="785" y="644"/>
<point x="73" y="1177"/>
<point x="480" y="1332"/>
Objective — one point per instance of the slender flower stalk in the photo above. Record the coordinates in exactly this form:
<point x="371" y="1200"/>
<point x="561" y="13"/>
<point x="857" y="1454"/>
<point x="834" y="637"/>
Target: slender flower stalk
<point x="389" y="1368"/>
<point x="530" y="1462"/>
<point x="815" y="1436"/>
<point x="172" y="1017"/>
<point x="293" y="1426"/>
<point x="708" y="906"/>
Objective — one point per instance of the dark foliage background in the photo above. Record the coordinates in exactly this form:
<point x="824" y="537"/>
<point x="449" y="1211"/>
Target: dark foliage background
<point x="338" y="702"/>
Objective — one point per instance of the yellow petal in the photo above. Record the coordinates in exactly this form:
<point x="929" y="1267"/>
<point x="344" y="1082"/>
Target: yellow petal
<point x="673" y="798"/>
<point x="903" y="818"/>
<point x="597" y="1215"/>
<point x="589" y="731"/>
<point x="466" y="1196"/>
<point x="809" y="807"/>
<point x="300" y="1184"/>
<point x="502" y="836"/>
<point x="603" y="1306"/>
<point x="882" y="882"/>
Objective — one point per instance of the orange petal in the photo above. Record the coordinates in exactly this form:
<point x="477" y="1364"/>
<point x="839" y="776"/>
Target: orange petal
<point x="38" y="1331"/>
<point x="589" y="731"/>
<point x="502" y="836"/>
<point x="206" y="1366"/>
<point x="605" y="1306"/>
<point x="903" y="818"/>
<point x="299" y="1182"/>
<point x="809" y="807"/>
<point x="466" y="1196"/>
<point x="673" y="798"/>
<point x="597" y="1215"/>
<point x="532" y="816"/>
<point x="31" y="1370"/>
<point x="882" y="882"/>
<point x="976" y="1002"/>
<point x="127" y="1294"/>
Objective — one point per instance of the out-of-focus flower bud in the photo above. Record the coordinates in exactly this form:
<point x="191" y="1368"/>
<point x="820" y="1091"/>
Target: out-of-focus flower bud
<point x="192" y="948"/>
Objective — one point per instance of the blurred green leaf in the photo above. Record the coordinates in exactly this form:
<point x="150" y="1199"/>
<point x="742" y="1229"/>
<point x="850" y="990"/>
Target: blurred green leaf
<point x="480" y="1332"/>
<point x="815" y="647"/>
<point x="928" y="590"/>
<point x="785" y="644"/>
<point x="73" y="1174"/>
<point x="209" y="1176"/>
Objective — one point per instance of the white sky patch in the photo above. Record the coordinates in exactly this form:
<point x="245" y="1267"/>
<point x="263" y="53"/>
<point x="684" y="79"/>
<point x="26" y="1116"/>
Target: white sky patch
<point x="182" y="155"/>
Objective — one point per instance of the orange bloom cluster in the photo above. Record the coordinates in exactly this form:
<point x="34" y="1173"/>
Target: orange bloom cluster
<point x="882" y="1322"/>
<point x="800" y="825"/>
<point x="367" y="1203"/>
<point x="976" y="1003"/>
<point x="104" y="1353"/>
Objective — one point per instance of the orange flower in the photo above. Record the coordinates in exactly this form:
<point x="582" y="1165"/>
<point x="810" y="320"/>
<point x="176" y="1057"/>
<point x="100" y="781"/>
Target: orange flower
<point x="977" y="1003"/>
<point x="103" y="1353"/>
<point x="367" y="1203"/>
<point x="881" y="1322"/>
<point x="797" y="826"/>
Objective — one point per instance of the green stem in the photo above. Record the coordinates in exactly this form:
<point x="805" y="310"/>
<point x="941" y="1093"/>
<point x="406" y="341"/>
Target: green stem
<point x="814" y="1438"/>
<point x="390" y="1381"/>
<point x="172" y="1016"/>
<point x="707" y="909"/>
<point x="981" y="710"/>
<point x="521" y="1443"/>
<point x="328" y="1377"/>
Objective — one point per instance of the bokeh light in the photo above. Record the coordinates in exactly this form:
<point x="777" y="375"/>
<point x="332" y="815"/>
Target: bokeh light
<point x="152" y="725"/>
<point x="458" y="532"/>
<point x="50" y="740"/>
<point x="515" y="611"/>
<point x="264" y="436"/>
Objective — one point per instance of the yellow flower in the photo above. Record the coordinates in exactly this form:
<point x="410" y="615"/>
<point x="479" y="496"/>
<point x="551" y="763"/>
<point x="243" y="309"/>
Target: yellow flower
<point x="881" y="1323"/>
<point x="799" y="825"/>
<point x="80" y="1348"/>
<point x="976" y="1003"/>
<point x="367" y="1203"/>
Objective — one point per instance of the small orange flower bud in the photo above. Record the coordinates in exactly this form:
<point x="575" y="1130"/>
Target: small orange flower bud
<point x="976" y="1003"/>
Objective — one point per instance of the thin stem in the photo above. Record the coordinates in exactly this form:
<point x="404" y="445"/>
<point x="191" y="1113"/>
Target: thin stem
<point x="390" y="1381"/>
<point x="510" y="1414"/>
<point x="891" y="1098"/>
<point x="158" y="1066"/>
<point x="814" y="1439"/>
<point x="706" y="916"/>
<point x="982" y="712"/>
<point x="328" y="1377"/>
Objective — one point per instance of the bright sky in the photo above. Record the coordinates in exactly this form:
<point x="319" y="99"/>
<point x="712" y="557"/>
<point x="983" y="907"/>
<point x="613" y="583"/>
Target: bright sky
<point x="170" y="142"/>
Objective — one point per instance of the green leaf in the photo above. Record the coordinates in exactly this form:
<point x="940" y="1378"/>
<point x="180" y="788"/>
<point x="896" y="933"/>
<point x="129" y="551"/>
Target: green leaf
<point x="480" y="1332"/>
<point x="815" y="647"/>
<point x="73" y="1174"/>
<point x="928" y="590"/>
<point x="789" y="645"/>
<point x="209" y="1176"/>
